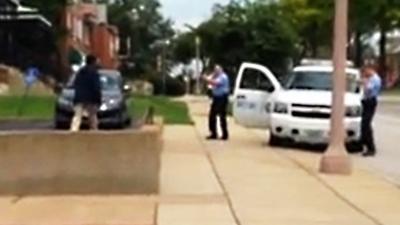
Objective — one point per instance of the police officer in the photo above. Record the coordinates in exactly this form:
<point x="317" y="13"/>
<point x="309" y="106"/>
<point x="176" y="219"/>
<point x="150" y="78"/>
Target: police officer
<point x="219" y="82"/>
<point x="372" y="85"/>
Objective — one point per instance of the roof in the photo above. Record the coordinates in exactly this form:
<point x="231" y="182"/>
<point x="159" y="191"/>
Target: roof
<point x="109" y="72"/>
<point x="322" y="62"/>
<point x="25" y="13"/>
<point x="14" y="2"/>
<point x="323" y="69"/>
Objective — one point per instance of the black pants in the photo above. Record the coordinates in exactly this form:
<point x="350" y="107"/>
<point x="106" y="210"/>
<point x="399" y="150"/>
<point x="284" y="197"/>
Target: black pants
<point x="219" y="108"/>
<point x="367" y="135"/>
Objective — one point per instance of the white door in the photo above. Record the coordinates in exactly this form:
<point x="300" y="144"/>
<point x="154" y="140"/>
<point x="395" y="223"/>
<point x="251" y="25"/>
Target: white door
<point x="254" y="86"/>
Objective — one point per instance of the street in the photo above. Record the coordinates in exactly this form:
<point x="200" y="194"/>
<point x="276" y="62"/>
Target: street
<point x="387" y="131"/>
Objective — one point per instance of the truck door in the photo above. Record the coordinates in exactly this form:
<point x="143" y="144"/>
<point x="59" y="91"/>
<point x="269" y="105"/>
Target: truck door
<point x="253" y="89"/>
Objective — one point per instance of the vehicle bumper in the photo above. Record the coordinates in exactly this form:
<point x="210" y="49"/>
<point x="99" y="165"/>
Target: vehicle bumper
<point x="311" y="131"/>
<point x="105" y="118"/>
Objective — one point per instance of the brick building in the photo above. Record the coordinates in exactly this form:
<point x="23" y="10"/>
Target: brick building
<point x="90" y="33"/>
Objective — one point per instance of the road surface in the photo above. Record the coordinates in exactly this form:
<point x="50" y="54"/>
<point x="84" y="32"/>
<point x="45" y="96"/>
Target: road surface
<point x="35" y="125"/>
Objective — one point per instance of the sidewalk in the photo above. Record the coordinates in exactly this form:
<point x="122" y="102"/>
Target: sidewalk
<point x="281" y="186"/>
<point x="389" y="98"/>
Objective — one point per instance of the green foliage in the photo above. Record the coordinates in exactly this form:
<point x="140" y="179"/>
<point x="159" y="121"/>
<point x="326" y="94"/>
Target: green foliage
<point x="242" y="31"/>
<point x="174" y="87"/>
<point x="42" y="108"/>
<point x="140" y="22"/>
<point x="271" y="32"/>
<point x="312" y="21"/>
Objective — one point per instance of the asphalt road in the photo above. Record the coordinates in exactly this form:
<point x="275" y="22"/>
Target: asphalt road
<point x="34" y="125"/>
<point x="387" y="134"/>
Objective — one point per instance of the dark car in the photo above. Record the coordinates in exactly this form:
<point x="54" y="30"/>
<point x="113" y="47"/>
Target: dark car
<point x="112" y="113"/>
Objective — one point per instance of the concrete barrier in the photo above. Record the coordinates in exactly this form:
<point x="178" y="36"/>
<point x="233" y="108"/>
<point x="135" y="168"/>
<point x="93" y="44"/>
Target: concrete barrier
<point x="100" y="162"/>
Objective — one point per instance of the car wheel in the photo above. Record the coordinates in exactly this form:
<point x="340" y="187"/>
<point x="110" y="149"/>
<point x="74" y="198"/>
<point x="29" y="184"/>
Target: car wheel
<point x="128" y="122"/>
<point x="275" y="141"/>
<point x="121" y="124"/>
<point x="355" y="147"/>
<point x="61" y="125"/>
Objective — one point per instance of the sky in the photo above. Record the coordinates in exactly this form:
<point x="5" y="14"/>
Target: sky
<point x="190" y="12"/>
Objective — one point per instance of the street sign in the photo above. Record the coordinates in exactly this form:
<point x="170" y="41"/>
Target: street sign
<point x="31" y="76"/>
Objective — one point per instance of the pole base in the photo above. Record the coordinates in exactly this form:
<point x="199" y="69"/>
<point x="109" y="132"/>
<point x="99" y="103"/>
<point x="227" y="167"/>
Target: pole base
<point x="339" y="164"/>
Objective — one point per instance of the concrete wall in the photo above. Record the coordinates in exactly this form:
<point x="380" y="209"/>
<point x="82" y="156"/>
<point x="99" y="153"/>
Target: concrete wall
<point x="49" y="163"/>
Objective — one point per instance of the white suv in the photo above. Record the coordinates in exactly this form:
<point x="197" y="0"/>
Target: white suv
<point x="298" y="108"/>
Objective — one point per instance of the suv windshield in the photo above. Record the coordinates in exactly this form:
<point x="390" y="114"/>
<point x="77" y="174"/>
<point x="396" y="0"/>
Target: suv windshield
<point x="316" y="80"/>
<point x="109" y="82"/>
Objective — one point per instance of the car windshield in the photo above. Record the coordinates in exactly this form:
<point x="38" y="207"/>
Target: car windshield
<point x="316" y="80"/>
<point x="109" y="82"/>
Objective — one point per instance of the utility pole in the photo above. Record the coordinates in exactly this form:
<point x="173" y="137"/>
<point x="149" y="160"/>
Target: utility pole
<point x="164" y="65"/>
<point x="164" y="76"/>
<point x="336" y="160"/>
<point x="198" y="72"/>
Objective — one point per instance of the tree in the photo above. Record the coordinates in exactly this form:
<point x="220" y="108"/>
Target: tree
<point x="54" y="10"/>
<point x="312" y="21"/>
<point x="140" y="23"/>
<point x="388" y="17"/>
<point x="243" y="31"/>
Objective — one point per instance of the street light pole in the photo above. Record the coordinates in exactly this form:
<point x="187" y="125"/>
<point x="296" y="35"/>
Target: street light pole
<point x="164" y="65"/>
<point x="164" y="71"/>
<point x="336" y="160"/>
<point x="198" y="75"/>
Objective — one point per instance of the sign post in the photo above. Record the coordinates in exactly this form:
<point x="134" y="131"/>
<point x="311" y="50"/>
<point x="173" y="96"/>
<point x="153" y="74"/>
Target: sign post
<point x="31" y="77"/>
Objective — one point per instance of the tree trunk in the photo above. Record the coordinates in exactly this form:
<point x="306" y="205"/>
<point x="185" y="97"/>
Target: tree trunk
<point x="382" y="57"/>
<point x="314" y="46"/>
<point x="63" y="45"/>
<point x="358" y="53"/>
<point x="314" y="41"/>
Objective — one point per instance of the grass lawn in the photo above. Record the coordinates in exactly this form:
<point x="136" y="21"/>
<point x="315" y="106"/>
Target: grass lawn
<point x="32" y="107"/>
<point x="173" y="112"/>
<point x="42" y="108"/>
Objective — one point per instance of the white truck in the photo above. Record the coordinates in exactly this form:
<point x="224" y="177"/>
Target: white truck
<point x="298" y="108"/>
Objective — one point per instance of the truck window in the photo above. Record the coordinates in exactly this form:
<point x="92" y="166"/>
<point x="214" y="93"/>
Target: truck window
<point x="313" y="80"/>
<point x="255" y="80"/>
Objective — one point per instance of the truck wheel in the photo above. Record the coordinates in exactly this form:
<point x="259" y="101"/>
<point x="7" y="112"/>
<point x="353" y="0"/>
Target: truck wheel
<point x="275" y="141"/>
<point x="355" y="147"/>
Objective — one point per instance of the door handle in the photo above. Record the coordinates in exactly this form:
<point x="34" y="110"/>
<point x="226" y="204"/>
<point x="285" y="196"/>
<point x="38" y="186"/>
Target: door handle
<point x="241" y="97"/>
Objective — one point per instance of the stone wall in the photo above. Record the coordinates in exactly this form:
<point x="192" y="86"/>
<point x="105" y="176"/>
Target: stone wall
<point x="101" y="162"/>
<point x="12" y="83"/>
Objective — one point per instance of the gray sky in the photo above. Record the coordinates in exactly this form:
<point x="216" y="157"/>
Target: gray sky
<point x="188" y="11"/>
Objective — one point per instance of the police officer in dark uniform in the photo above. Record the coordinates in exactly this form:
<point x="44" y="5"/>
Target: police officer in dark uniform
<point x="219" y="82"/>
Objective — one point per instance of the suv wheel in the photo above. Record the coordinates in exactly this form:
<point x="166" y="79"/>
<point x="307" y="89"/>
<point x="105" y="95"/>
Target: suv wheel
<point x="275" y="141"/>
<point x="355" y="147"/>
